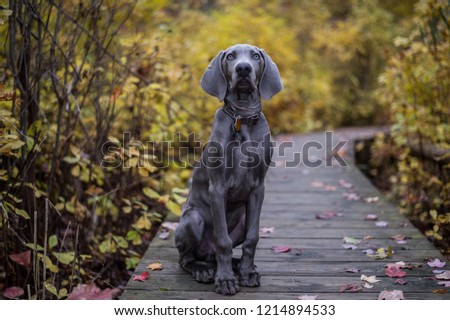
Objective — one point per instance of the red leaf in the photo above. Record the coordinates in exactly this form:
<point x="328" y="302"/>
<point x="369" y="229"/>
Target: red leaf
<point x="394" y="271"/>
<point x="352" y="287"/>
<point x="400" y="281"/>
<point x="142" y="277"/>
<point x="91" y="292"/>
<point x="13" y="292"/>
<point x="22" y="259"/>
<point x="281" y="249"/>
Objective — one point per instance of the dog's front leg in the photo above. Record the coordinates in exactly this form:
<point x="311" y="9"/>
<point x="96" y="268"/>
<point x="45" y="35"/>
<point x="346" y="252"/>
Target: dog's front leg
<point x="248" y="277"/>
<point x="225" y="281"/>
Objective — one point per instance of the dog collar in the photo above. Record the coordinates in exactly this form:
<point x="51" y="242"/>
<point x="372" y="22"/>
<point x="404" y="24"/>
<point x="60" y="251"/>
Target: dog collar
<point x="238" y="119"/>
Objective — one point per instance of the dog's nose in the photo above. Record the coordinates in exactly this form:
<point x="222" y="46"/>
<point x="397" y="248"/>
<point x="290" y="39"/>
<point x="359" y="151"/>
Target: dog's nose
<point x="243" y="69"/>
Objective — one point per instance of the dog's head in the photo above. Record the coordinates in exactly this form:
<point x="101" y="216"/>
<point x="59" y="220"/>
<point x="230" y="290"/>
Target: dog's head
<point x="242" y="68"/>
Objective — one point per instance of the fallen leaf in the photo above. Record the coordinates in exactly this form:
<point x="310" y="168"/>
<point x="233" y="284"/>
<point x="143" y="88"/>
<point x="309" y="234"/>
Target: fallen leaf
<point x="92" y="292"/>
<point x="352" y="287"/>
<point x="398" y="237"/>
<point x="142" y="277"/>
<point x="444" y="275"/>
<point x="371" y="217"/>
<point x="317" y="184"/>
<point x="371" y="199"/>
<point x="440" y="291"/>
<point x="404" y="224"/>
<point x="369" y="279"/>
<point x="349" y="246"/>
<point x="400" y="282"/>
<point x="394" y="271"/>
<point x="23" y="259"/>
<point x="281" y="249"/>
<point x="381" y="253"/>
<point x="155" y="266"/>
<point x="344" y="184"/>
<point x="368" y="237"/>
<point x="352" y="270"/>
<point x="351" y="196"/>
<point x="267" y="230"/>
<point x="330" y="188"/>
<point x="326" y="215"/>
<point x="436" y="263"/>
<point x="367" y="285"/>
<point x="13" y="292"/>
<point x="351" y="240"/>
<point x="391" y="295"/>
<point x="444" y="283"/>
<point x="438" y="271"/>
<point x="306" y="297"/>
<point x="402" y="242"/>
<point x="164" y="235"/>
<point x="368" y="251"/>
<point x="170" y="225"/>
<point x="381" y="224"/>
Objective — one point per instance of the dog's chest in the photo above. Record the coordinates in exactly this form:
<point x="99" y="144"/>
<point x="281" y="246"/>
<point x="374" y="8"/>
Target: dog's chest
<point x="246" y="167"/>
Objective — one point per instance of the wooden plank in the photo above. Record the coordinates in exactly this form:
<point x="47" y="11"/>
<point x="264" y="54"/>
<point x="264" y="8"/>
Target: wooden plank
<point x="305" y="268"/>
<point x="283" y="283"/>
<point x="299" y="255"/>
<point x="133" y="294"/>
<point x="273" y="240"/>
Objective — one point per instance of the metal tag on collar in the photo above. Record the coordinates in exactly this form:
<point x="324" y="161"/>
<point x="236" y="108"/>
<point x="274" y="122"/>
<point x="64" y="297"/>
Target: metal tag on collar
<point x="237" y="123"/>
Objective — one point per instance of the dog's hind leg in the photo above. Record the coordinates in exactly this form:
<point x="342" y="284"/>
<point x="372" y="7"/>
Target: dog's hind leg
<point x="188" y="240"/>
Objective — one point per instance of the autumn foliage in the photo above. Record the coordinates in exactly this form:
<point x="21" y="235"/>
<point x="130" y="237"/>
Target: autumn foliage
<point x="100" y="105"/>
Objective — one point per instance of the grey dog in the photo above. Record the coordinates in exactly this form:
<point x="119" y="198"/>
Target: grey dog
<point x="224" y="204"/>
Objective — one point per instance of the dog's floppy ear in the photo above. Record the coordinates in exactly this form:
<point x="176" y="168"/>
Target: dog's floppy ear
<point x="213" y="80"/>
<point x="270" y="83"/>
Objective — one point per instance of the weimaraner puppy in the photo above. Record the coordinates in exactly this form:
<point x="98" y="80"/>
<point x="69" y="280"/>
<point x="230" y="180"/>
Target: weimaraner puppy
<point x="227" y="192"/>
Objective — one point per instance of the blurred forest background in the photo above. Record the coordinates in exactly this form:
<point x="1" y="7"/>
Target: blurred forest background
<point x="80" y="200"/>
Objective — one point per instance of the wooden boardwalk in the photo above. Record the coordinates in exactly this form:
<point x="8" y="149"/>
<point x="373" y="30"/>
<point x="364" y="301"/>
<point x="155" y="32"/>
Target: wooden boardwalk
<point x="316" y="262"/>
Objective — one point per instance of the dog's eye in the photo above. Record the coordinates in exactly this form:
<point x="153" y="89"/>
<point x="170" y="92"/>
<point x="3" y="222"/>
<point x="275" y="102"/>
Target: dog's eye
<point x="256" y="56"/>
<point x="230" y="56"/>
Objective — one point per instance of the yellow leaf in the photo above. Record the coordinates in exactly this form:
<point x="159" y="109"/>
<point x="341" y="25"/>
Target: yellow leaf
<point x="51" y="288"/>
<point x="149" y="167"/>
<point x="152" y="194"/>
<point x="143" y="223"/>
<point x="175" y="208"/>
<point x="126" y="209"/>
<point x="155" y="266"/>
<point x="22" y="213"/>
<point x="132" y="162"/>
<point x="75" y="171"/>
<point x="65" y="257"/>
<point x="16" y="144"/>
<point x="143" y="172"/>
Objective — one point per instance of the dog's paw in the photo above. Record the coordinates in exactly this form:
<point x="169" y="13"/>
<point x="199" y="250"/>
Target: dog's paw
<point x="251" y="279"/>
<point x="204" y="275"/>
<point x="227" y="287"/>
